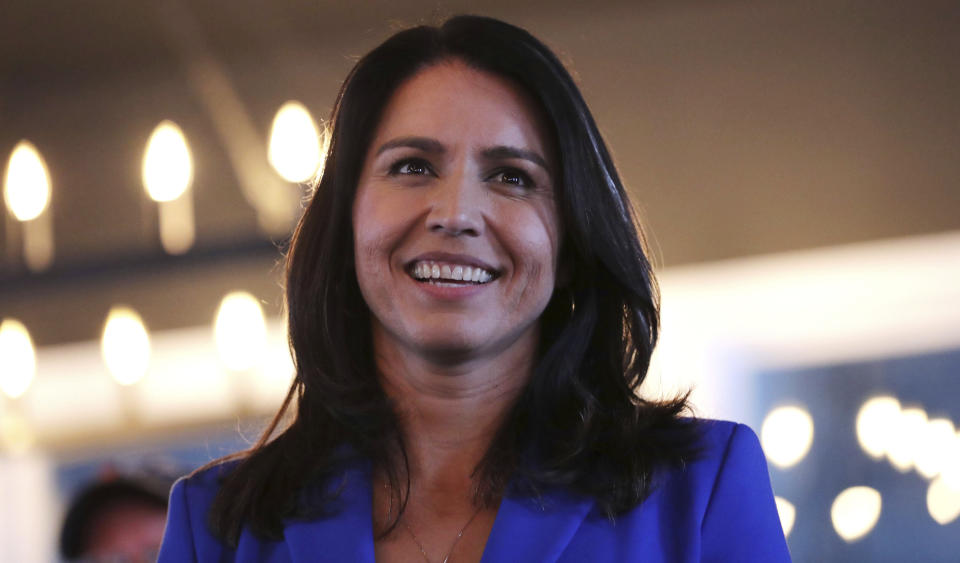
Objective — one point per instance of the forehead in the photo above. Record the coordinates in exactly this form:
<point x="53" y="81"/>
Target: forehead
<point x="460" y="105"/>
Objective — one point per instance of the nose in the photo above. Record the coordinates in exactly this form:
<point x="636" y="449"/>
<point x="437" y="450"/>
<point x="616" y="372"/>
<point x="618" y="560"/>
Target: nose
<point x="456" y="207"/>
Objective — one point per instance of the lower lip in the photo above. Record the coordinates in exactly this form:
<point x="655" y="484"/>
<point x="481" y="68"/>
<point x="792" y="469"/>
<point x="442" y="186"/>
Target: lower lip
<point x="450" y="292"/>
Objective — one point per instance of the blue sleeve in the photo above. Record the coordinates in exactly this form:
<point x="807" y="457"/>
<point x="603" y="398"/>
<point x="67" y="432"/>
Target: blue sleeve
<point x="741" y="521"/>
<point x="177" y="543"/>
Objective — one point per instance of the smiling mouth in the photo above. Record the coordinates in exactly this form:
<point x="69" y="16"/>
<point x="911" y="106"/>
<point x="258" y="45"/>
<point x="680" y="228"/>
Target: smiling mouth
<point x="447" y="273"/>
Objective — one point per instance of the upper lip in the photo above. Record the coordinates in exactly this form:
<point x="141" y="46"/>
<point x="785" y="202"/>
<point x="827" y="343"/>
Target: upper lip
<point x="462" y="259"/>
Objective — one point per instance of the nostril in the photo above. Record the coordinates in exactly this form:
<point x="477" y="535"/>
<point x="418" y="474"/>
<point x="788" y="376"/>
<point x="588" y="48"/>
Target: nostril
<point x="455" y="220"/>
<point x="453" y="229"/>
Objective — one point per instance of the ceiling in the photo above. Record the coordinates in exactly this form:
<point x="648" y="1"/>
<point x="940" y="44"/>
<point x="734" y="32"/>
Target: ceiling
<point x="741" y="128"/>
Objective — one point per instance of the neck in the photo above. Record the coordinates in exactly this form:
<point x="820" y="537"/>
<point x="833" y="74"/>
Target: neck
<point x="449" y="412"/>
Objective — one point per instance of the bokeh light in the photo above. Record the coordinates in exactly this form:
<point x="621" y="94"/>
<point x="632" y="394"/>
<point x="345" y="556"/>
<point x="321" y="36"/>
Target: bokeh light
<point x="875" y="424"/>
<point x="177" y="229"/>
<point x="295" y="144"/>
<point x="786" y="435"/>
<point x="788" y="514"/>
<point x="905" y="438"/>
<point x="950" y="470"/>
<point x="855" y="512"/>
<point x="167" y="165"/>
<point x="16" y="436"/>
<point x="934" y="445"/>
<point x="19" y="358"/>
<point x="240" y="331"/>
<point x="943" y="501"/>
<point x="125" y="346"/>
<point x="26" y="184"/>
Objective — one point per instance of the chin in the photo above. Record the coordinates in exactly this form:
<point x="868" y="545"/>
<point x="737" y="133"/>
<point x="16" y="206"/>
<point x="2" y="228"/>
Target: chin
<point x="451" y="347"/>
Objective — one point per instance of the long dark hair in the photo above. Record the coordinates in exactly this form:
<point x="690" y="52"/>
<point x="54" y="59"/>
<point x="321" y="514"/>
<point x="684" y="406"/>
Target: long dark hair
<point x="579" y="423"/>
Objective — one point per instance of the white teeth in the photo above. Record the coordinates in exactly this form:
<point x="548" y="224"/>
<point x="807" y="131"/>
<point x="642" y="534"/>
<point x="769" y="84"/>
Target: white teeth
<point x="452" y="272"/>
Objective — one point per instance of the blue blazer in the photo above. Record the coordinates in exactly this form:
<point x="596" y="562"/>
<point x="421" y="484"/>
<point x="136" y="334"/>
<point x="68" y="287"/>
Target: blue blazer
<point x="718" y="508"/>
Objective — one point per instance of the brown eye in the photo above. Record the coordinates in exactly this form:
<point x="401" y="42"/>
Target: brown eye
<point x="513" y="177"/>
<point x="410" y="167"/>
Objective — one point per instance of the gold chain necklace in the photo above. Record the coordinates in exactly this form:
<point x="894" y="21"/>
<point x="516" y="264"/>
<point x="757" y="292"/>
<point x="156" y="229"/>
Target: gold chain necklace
<point x="416" y="540"/>
<point x="452" y="545"/>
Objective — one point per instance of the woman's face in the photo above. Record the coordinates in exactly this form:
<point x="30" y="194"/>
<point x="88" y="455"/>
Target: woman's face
<point x="456" y="227"/>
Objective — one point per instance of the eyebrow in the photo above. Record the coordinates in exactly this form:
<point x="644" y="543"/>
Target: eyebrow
<point x="429" y="145"/>
<point x="501" y="152"/>
<point x="426" y="144"/>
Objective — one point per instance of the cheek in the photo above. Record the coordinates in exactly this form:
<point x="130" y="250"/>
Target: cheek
<point x="378" y="230"/>
<point x="366" y="237"/>
<point x="365" y="256"/>
<point x="535" y="239"/>
<point x="371" y="267"/>
<point x="543" y="238"/>
<point x="370" y="223"/>
<point x="371" y="254"/>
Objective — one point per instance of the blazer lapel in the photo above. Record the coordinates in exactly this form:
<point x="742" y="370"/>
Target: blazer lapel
<point x="530" y="530"/>
<point x="524" y="530"/>
<point x="347" y="535"/>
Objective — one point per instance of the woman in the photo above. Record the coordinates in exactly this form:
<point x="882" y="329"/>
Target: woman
<point x="471" y="314"/>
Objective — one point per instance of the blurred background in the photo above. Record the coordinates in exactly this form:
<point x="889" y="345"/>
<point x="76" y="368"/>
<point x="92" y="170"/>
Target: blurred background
<point x="796" y="165"/>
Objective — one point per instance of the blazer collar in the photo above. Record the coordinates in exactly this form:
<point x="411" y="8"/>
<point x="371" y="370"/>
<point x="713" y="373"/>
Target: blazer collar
<point x="535" y="530"/>
<point x="524" y="530"/>
<point x="346" y="536"/>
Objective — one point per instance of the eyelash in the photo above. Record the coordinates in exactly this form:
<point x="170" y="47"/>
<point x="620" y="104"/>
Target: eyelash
<point x="395" y="168"/>
<point x="524" y="179"/>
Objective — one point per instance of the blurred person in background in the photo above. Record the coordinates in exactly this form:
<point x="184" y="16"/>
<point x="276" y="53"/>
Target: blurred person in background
<point x="472" y="313"/>
<point x="116" y="519"/>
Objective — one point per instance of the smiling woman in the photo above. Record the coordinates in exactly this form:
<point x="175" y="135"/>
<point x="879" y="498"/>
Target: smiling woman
<point x="471" y="314"/>
<point x="456" y="181"/>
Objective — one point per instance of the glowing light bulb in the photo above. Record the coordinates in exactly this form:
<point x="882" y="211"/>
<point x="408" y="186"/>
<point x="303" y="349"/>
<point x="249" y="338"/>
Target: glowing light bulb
<point x="26" y="185"/>
<point x="904" y="443"/>
<point x="876" y="423"/>
<point x="240" y="331"/>
<point x="950" y="468"/>
<point x="295" y="147"/>
<point x="18" y="356"/>
<point x="786" y="435"/>
<point x="167" y="166"/>
<point x="125" y="346"/>
<point x="855" y="512"/>
<point x="933" y="447"/>
<point x="788" y="514"/>
<point x="943" y="501"/>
